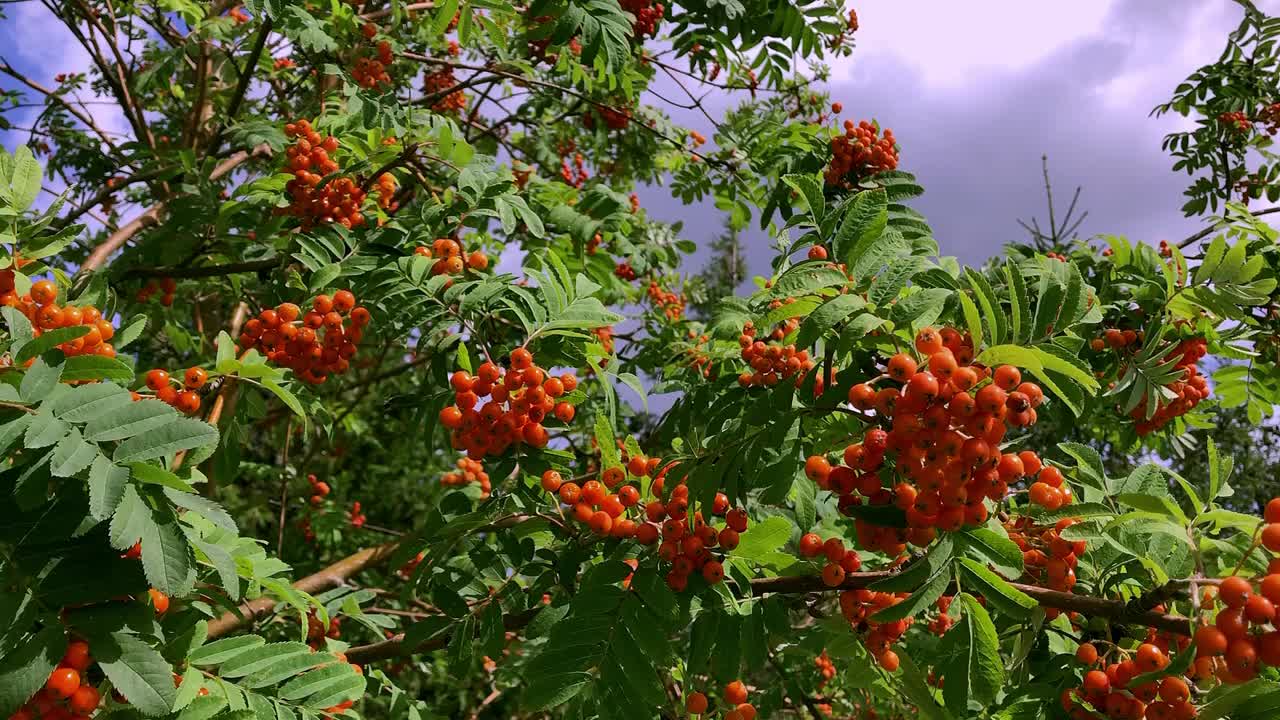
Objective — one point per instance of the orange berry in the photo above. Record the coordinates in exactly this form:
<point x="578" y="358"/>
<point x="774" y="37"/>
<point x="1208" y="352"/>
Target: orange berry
<point x="43" y="292"/>
<point x="159" y="600"/>
<point x="63" y="682"/>
<point x="1235" y="591"/>
<point x="696" y="703"/>
<point x="157" y="379"/>
<point x="195" y="378"/>
<point x="735" y="693"/>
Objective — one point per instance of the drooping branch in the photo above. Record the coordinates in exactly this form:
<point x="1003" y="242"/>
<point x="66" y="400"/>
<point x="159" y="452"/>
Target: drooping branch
<point x="1083" y="604"/>
<point x="76" y="112"/>
<point x="152" y="215"/>
<point x="328" y="578"/>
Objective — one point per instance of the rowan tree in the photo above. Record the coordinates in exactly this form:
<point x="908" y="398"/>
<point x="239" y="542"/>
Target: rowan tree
<point x="358" y="381"/>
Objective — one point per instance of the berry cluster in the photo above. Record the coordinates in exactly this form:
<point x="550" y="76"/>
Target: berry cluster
<point x="735" y="700"/>
<point x="319" y="490"/>
<point x="370" y="72"/>
<point x="440" y="81"/>
<point x="647" y="13"/>
<point x="166" y="287"/>
<point x="45" y="314"/>
<point x="943" y="622"/>
<point x="840" y="560"/>
<point x="576" y="175"/>
<point x="1048" y="557"/>
<point x="520" y="398"/>
<point x="357" y="517"/>
<point x="1110" y="690"/>
<point x="284" y="63"/>
<point x="66" y="693"/>
<point x="687" y="541"/>
<point x="1189" y="391"/>
<point x="605" y="336"/>
<point x="859" y="153"/>
<point x="186" y="400"/>
<point x="671" y="304"/>
<point x="595" y="504"/>
<point x="1237" y="121"/>
<point x="1270" y="116"/>
<point x="624" y="271"/>
<point x="825" y="667"/>
<point x="774" y="362"/>
<point x="944" y="436"/>
<point x="614" y="118"/>
<point x="449" y="257"/>
<point x="469" y="471"/>
<point x="697" y="354"/>
<point x="297" y="343"/>
<point x="309" y="161"/>
<point x="859" y="606"/>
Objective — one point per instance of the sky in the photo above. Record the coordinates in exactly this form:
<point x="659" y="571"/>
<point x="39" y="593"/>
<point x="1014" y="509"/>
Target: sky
<point x="975" y="92"/>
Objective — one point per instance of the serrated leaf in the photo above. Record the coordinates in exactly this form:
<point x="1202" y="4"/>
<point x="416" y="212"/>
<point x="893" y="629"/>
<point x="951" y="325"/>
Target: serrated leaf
<point x="166" y="557"/>
<point x="71" y="455"/>
<point x="220" y="651"/>
<point x="321" y="680"/>
<point x="106" y="487"/>
<point x="138" y="672"/>
<point x="41" y="378"/>
<point x="976" y="671"/>
<point x="1005" y="597"/>
<point x="826" y="316"/>
<point x="130" y="332"/>
<point x="864" y="221"/>
<point x="25" y="670"/>
<point x="48" y="340"/>
<point x="81" y="404"/>
<point x="129" y="420"/>
<point x="81" y="368"/>
<point x="261" y="657"/>
<point x="996" y="549"/>
<point x="174" y="436"/>
<point x="972" y="321"/>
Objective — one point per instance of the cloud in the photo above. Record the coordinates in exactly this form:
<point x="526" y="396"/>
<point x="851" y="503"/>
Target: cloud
<point x="976" y="97"/>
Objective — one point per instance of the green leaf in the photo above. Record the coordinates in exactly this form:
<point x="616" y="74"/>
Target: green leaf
<point x="138" y="672"/>
<point x="1089" y="466"/>
<point x="1019" y="304"/>
<point x="25" y="182"/>
<point x="106" y="487"/>
<point x="321" y="681"/>
<point x="285" y="668"/>
<point x="166" y="557"/>
<point x="44" y="430"/>
<point x="129" y="420"/>
<point x="71" y="455"/>
<point x="971" y="319"/>
<point x="83" y="403"/>
<point x="975" y="672"/>
<point x="41" y="378"/>
<point x="156" y="475"/>
<point x="48" y="340"/>
<point x="131" y="515"/>
<point x="1005" y="597"/>
<point x="994" y="548"/>
<point x="805" y="502"/>
<point x="25" y="670"/>
<point x="915" y="575"/>
<point x="286" y="396"/>
<point x="919" y="601"/>
<point x="261" y="657"/>
<point x="176" y="435"/>
<point x="130" y="332"/>
<point x="220" y="651"/>
<point x="826" y="316"/>
<point x="863" y="222"/>
<point x="811" y="191"/>
<point x="80" y="368"/>
<point x="762" y="539"/>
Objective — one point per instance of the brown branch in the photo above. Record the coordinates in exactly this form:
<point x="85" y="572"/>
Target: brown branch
<point x="1084" y="604"/>
<point x="1215" y="227"/>
<point x="76" y="112"/>
<point x="152" y="215"/>
<point x="204" y="271"/>
<point x="328" y="578"/>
